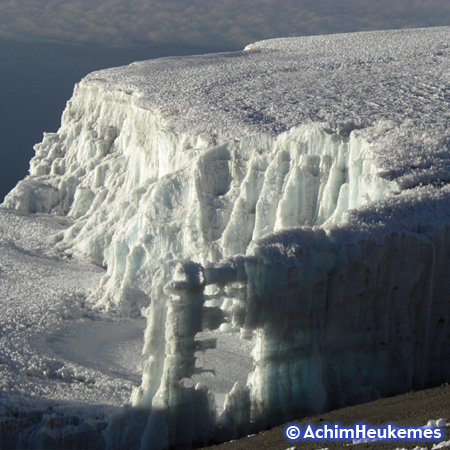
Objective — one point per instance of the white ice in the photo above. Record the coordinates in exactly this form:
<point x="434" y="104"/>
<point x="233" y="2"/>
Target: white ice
<point x="303" y="185"/>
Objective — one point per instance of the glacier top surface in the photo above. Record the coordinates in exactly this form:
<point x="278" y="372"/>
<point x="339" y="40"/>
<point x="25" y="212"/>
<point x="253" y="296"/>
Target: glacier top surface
<point x="274" y="85"/>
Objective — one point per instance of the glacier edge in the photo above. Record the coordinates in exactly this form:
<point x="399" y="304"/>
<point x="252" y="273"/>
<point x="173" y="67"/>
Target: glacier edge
<point x="180" y="196"/>
<point x="311" y="221"/>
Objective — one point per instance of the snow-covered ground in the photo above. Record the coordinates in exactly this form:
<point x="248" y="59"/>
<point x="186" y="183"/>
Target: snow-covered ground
<point x="293" y="196"/>
<point x="53" y="344"/>
<point x="58" y="356"/>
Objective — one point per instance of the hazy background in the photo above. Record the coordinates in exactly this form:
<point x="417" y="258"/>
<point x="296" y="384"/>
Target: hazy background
<point x="48" y="45"/>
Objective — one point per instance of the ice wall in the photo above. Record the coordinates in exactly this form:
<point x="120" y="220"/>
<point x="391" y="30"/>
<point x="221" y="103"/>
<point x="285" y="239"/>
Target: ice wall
<point x="142" y="195"/>
<point x="341" y="316"/>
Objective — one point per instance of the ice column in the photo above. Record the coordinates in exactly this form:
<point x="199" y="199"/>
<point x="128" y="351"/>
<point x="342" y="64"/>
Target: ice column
<point x="179" y="414"/>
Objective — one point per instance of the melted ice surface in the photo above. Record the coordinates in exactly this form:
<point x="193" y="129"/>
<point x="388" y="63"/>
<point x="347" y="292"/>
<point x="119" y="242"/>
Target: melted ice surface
<point x="60" y="361"/>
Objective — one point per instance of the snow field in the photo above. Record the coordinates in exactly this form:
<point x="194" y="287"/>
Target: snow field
<point x="64" y="368"/>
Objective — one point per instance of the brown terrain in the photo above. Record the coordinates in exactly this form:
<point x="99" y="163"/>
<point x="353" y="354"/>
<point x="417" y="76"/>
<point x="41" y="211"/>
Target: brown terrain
<point x="415" y="408"/>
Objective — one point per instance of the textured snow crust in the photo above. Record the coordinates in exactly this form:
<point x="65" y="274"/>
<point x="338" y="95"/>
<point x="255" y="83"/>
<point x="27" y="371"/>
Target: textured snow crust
<point x="293" y="194"/>
<point x="64" y="369"/>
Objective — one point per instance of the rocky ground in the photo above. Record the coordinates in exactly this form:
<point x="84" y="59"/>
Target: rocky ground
<point x="415" y="408"/>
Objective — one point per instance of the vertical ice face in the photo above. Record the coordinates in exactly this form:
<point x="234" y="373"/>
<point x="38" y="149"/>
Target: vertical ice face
<point x="338" y="317"/>
<point x="142" y="196"/>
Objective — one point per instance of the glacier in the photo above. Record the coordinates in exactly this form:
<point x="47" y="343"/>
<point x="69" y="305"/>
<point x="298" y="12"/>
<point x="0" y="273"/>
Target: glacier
<point x="290" y="200"/>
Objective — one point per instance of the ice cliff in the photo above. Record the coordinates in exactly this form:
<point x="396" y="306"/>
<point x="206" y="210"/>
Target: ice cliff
<point x="294" y="193"/>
